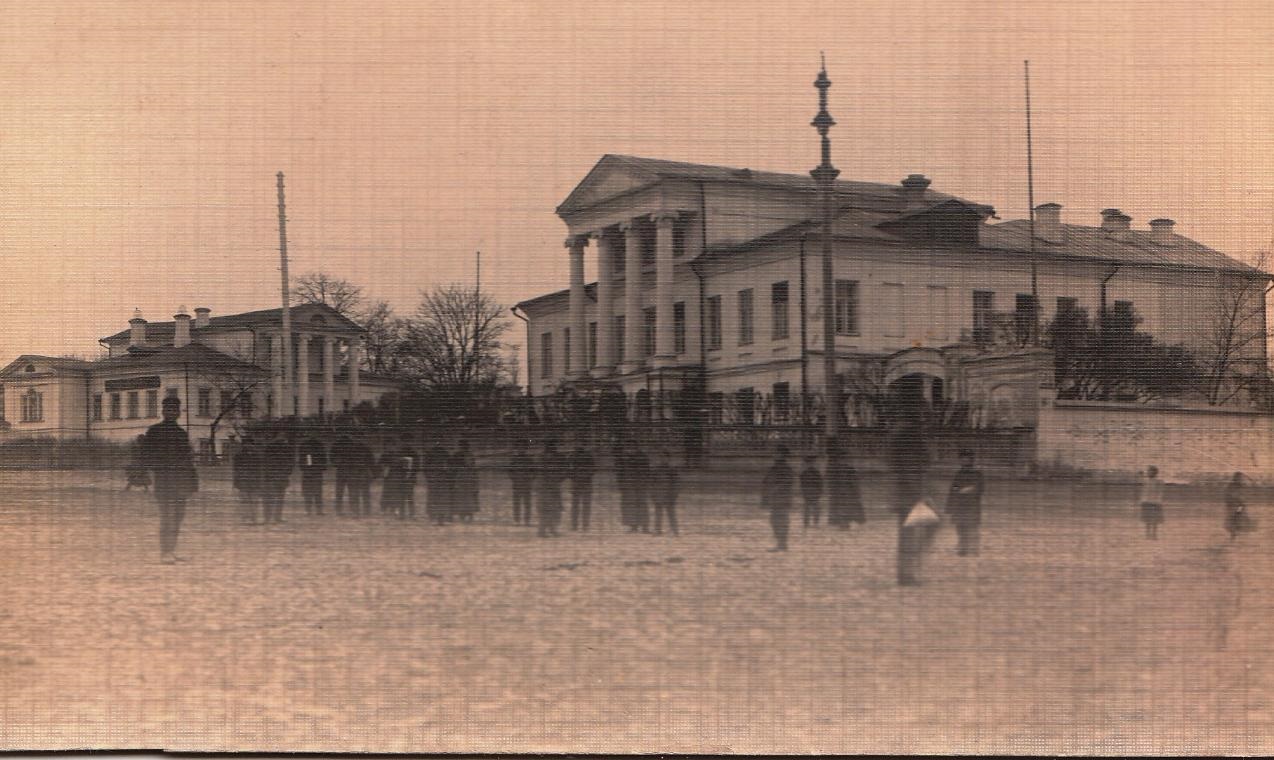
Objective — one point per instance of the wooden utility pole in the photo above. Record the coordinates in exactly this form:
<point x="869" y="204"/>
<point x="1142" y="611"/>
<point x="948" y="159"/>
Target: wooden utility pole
<point x="825" y="175"/>
<point x="285" y="404"/>
<point x="1030" y="202"/>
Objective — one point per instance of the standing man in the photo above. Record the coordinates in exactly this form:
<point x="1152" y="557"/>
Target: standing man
<point x="844" y="501"/>
<point x="811" y="491"/>
<point x="246" y="478"/>
<point x="276" y="473"/>
<point x="665" y="484"/>
<point x="521" y="475"/>
<point x="438" y="482"/>
<point x="964" y="505"/>
<point x="464" y="488"/>
<point x="313" y="465"/>
<point x="362" y="470"/>
<point x="165" y="451"/>
<point x="552" y="472"/>
<point x="639" y="484"/>
<point x="909" y="461"/>
<point x="583" y="467"/>
<point x="621" y="457"/>
<point x="342" y="461"/>
<point x="776" y="496"/>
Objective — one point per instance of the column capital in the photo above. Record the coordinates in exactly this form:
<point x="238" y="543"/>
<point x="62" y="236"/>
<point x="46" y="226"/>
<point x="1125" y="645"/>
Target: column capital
<point x="629" y="226"/>
<point x="664" y="217"/>
<point x="577" y="242"/>
<point x="595" y="234"/>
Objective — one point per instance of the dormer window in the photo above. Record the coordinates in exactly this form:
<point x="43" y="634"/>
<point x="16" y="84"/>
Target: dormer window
<point x="29" y="368"/>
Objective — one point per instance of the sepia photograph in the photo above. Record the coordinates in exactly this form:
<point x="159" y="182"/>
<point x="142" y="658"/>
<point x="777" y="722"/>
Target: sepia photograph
<point x="639" y="377"/>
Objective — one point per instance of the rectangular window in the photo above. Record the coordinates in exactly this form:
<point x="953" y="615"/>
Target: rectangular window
<point x="745" y="406"/>
<point x="778" y="308"/>
<point x="134" y="405"/>
<point x="1067" y="305"/>
<point x="227" y="402"/>
<point x="781" y="400"/>
<point x="679" y="229"/>
<point x="745" y="317"/>
<point x="1123" y="308"/>
<point x="322" y="405"/>
<point x="648" y="323"/>
<point x="846" y="307"/>
<point x="2" y="412"/>
<point x="1024" y="316"/>
<point x="679" y="327"/>
<point x="205" y="403"/>
<point x="566" y="349"/>
<point x="619" y="337"/>
<point x="546" y="355"/>
<point x="32" y="406"/>
<point x="172" y="392"/>
<point x="592" y="344"/>
<point x="647" y="238"/>
<point x="152" y="404"/>
<point x="269" y="405"/>
<point x="117" y="407"/>
<point x="983" y="316"/>
<point x="713" y="308"/>
<point x="894" y="317"/>
<point x="939" y="314"/>
<point x="245" y="404"/>
<point x="97" y="407"/>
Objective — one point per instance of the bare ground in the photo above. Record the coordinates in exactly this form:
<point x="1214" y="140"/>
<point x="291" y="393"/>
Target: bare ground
<point x="1070" y="634"/>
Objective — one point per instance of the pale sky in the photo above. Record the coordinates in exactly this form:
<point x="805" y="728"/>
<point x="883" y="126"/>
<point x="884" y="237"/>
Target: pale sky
<point x="139" y="140"/>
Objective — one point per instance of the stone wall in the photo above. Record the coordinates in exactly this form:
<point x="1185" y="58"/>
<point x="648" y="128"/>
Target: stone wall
<point x="1185" y="444"/>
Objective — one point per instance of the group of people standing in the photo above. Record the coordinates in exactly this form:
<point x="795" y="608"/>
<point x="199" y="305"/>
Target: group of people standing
<point x="263" y="465"/>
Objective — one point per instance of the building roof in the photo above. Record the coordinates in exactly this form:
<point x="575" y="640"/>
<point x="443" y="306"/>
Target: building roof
<point x="158" y="332"/>
<point x="1131" y="247"/>
<point x="870" y="194"/>
<point x="192" y="354"/>
<point x="54" y="362"/>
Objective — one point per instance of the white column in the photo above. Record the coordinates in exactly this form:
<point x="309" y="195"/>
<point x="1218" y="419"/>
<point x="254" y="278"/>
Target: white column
<point x="632" y="299"/>
<point x="355" y="359"/>
<point x="303" y="375"/>
<point x="329" y="375"/>
<point x="276" y="356"/>
<point x="605" y="306"/>
<point x="665" y="337"/>
<point x="579" y="325"/>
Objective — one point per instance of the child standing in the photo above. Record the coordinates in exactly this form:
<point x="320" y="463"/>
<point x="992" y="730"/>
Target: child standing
<point x="812" y="490"/>
<point x="1235" y="509"/>
<point x="1151" y="499"/>
<point x="664" y="488"/>
<point x="964" y="505"/>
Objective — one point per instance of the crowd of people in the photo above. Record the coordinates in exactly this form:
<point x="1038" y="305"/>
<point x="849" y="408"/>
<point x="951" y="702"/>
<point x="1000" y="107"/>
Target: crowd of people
<point x="265" y="460"/>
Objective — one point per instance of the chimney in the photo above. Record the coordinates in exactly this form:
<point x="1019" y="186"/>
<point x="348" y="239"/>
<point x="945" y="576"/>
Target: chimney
<point x="1112" y="219"/>
<point x="1161" y="232"/>
<point x="181" y="334"/>
<point x="1048" y="222"/>
<point x="913" y="191"/>
<point x="202" y="316"/>
<point x="136" y="330"/>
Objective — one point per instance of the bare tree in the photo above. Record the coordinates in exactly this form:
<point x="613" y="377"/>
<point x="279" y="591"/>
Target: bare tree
<point x="383" y="339"/>
<point x="231" y="383"/>
<point x="1232" y="353"/>
<point x="452" y="342"/>
<point x="322" y="288"/>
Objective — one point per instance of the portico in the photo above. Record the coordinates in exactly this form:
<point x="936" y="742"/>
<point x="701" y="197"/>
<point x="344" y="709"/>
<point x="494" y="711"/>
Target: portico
<point x="320" y="356"/>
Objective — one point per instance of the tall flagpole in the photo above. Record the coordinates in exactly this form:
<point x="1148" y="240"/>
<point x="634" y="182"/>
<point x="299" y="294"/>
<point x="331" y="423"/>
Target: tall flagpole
<point x="825" y="175"/>
<point x="284" y="404"/>
<point x="1030" y="202"/>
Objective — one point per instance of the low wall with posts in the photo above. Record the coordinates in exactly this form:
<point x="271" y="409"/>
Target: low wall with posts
<point x="1184" y="443"/>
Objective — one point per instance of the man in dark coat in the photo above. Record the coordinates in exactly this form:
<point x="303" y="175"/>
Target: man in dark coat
<point x="361" y="472"/>
<point x="464" y="483"/>
<point x="638" y="485"/>
<point x="314" y="460"/>
<point x="552" y="471"/>
<point x="665" y="485"/>
<point x="439" y="484"/>
<point x="278" y="461"/>
<point x="909" y="461"/>
<point x="964" y="505"/>
<point x="776" y="496"/>
<point x="400" y="465"/>
<point x="621" y="459"/>
<point x="165" y="451"/>
<point x="521" y="476"/>
<point x="583" y="466"/>
<point x="342" y="462"/>
<point x="844" y="502"/>
<point x="811" y="491"/>
<point x="246" y="478"/>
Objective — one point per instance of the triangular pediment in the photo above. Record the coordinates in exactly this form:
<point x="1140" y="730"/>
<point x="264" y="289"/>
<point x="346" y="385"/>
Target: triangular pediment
<point x="608" y="178"/>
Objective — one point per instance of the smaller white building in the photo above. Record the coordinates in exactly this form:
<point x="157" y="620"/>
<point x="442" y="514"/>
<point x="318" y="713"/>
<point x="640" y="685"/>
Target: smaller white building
<point x="225" y="370"/>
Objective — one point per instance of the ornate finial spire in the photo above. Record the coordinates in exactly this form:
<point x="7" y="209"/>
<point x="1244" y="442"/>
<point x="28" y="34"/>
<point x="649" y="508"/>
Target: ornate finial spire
<point x="823" y="122"/>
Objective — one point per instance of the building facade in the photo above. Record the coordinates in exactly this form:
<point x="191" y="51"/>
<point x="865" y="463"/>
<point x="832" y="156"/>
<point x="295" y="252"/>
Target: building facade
<point x="225" y="370"/>
<point x="715" y="273"/>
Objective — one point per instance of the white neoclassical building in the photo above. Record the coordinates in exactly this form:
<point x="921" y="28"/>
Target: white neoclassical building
<point x="226" y="369"/>
<point x="711" y="274"/>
